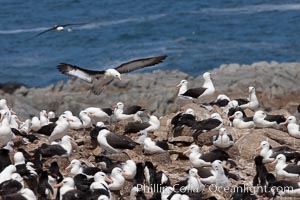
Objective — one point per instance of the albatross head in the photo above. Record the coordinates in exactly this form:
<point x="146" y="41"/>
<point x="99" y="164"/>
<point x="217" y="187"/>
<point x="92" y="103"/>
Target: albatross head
<point x="4" y="115"/>
<point x="193" y="172"/>
<point x="3" y="103"/>
<point x="207" y="76"/>
<point x="100" y="124"/>
<point x="51" y="114"/>
<point x="19" y="158"/>
<point x="190" y="111"/>
<point x="217" y="165"/>
<point x="238" y="115"/>
<point x="66" y="139"/>
<point x="182" y="82"/>
<point x="279" y="159"/>
<point x="259" y="115"/>
<point x="113" y="73"/>
<point x="43" y="113"/>
<point x="63" y="118"/>
<point x="222" y="97"/>
<point x="251" y="89"/>
<point x="120" y="105"/>
<point x="68" y="181"/>
<point x="193" y="149"/>
<point x="222" y="131"/>
<point x="292" y="120"/>
<point x="101" y="176"/>
<point x="216" y="116"/>
<point x="263" y="145"/>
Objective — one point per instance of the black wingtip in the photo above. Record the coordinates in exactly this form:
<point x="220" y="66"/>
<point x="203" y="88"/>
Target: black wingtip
<point x="162" y="57"/>
<point x="63" y="67"/>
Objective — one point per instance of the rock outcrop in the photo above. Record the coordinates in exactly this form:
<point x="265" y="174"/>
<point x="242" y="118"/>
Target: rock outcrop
<point x="277" y="87"/>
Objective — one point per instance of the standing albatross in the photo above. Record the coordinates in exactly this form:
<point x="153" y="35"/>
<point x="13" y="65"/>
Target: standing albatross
<point x="101" y="78"/>
<point x="207" y="88"/>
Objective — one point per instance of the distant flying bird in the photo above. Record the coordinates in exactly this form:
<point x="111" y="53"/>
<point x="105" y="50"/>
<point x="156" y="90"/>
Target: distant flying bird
<point x="59" y="27"/>
<point x="101" y="78"/>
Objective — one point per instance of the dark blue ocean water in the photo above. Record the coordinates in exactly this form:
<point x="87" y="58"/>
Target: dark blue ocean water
<point x="196" y="35"/>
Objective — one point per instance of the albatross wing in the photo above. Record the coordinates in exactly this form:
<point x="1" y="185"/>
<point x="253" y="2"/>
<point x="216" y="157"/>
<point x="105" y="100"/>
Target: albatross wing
<point x="120" y="142"/>
<point x="78" y="72"/>
<point x="139" y="64"/>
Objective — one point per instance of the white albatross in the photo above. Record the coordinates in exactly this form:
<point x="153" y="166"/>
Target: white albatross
<point x="6" y="134"/>
<point x="253" y="103"/>
<point x="292" y="126"/>
<point x="113" y="142"/>
<point x="223" y="139"/>
<point x="239" y="121"/>
<point x="56" y="130"/>
<point x="207" y="88"/>
<point x="260" y="122"/>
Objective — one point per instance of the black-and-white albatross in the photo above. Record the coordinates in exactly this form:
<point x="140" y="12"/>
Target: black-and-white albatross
<point x="99" y="79"/>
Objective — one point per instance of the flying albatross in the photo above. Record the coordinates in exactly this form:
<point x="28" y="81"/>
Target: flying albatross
<point x="58" y="27"/>
<point x="101" y="78"/>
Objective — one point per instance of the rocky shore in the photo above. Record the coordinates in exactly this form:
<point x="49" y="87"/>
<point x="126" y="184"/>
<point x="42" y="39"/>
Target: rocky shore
<point x="277" y="86"/>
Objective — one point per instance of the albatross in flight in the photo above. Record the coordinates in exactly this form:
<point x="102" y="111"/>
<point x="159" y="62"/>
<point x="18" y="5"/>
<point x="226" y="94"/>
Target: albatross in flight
<point x="101" y="78"/>
<point x="58" y="27"/>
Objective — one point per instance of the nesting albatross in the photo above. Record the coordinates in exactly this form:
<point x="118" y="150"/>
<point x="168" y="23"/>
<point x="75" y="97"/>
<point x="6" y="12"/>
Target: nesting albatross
<point x="111" y="142"/>
<point x="207" y="88"/>
<point x="284" y="169"/>
<point x="223" y="139"/>
<point x="292" y="126"/>
<point x="56" y="130"/>
<point x="101" y="78"/>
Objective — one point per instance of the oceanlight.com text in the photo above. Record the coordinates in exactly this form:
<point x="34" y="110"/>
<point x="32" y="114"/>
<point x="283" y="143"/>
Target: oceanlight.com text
<point x="214" y="188"/>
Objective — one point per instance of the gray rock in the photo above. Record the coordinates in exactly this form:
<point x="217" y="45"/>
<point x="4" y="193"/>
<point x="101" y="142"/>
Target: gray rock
<point x="275" y="85"/>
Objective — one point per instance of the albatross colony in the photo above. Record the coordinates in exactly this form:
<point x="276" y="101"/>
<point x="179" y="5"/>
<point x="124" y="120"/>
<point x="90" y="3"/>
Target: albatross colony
<point x="196" y="153"/>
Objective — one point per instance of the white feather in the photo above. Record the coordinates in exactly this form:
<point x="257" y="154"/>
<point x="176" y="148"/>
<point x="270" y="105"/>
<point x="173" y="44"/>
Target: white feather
<point x="80" y="74"/>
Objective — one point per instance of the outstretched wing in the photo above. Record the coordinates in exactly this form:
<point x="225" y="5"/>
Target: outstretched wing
<point x="138" y="64"/>
<point x="100" y="83"/>
<point x="45" y="31"/>
<point x="79" y="24"/>
<point x="78" y="72"/>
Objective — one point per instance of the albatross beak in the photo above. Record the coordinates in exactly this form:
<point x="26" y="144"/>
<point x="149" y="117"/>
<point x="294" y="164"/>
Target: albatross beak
<point x="285" y="123"/>
<point x="226" y="167"/>
<point x="179" y="85"/>
<point x="258" y="148"/>
<point x="231" y="117"/>
<point x="69" y="167"/>
<point x="119" y="77"/>
<point x="58" y="185"/>
<point x="74" y="144"/>
<point x="19" y="121"/>
<point x="125" y="174"/>
<point x="274" y="163"/>
<point x="2" y="117"/>
<point x="186" y="152"/>
<point x="91" y="115"/>
<point x="108" y="180"/>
